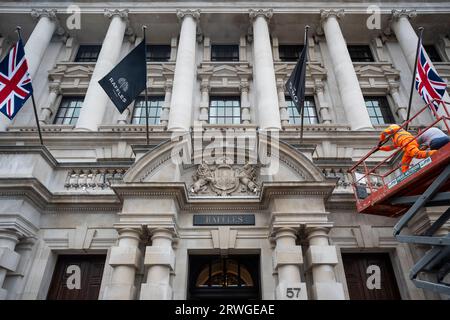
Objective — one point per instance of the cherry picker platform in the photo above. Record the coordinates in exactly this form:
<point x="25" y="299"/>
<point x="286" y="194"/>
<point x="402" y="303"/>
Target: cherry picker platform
<point x="380" y="188"/>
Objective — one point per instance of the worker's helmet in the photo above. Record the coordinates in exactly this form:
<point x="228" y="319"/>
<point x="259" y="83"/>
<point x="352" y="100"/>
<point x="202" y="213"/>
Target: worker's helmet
<point x="393" y="128"/>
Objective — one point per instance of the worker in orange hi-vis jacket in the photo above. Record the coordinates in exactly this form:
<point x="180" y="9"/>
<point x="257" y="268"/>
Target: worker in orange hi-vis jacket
<point x="404" y="140"/>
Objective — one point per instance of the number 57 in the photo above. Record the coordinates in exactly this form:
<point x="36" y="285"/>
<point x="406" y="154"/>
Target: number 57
<point x="292" y="292"/>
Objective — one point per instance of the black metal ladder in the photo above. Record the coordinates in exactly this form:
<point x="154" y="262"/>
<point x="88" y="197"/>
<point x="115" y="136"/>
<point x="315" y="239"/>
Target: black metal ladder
<point x="436" y="262"/>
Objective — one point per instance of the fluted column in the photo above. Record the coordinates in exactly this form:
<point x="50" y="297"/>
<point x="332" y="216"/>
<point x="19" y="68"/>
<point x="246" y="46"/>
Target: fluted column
<point x="245" y="103"/>
<point x="46" y="113"/>
<point x="264" y="72"/>
<point x="321" y="258"/>
<point x="9" y="259"/>
<point x="124" y="259"/>
<point x="184" y="77"/>
<point x="405" y="34"/>
<point x="287" y="260"/>
<point x="204" y="102"/>
<point x="322" y="104"/>
<point x="94" y="105"/>
<point x="346" y="79"/>
<point x="40" y="38"/>
<point x="160" y="260"/>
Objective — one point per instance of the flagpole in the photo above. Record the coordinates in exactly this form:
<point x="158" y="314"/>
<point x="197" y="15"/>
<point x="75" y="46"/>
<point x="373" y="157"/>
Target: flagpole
<point x="413" y="81"/>
<point x="18" y="28"/>
<point x="302" y="111"/>
<point x="144" y="31"/>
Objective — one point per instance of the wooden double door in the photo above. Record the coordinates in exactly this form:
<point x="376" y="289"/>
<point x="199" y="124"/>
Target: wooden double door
<point x="361" y="268"/>
<point x="77" y="277"/>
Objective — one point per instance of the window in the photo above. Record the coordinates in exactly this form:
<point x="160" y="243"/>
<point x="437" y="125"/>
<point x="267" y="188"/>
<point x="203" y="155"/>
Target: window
<point x="69" y="110"/>
<point x="290" y="52"/>
<point x="88" y="53"/>
<point x="310" y="112"/>
<point x="228" y="52"/>
<point x="379" y="111"/>
<point x="433" y="53"/>
<point x="224" y="110"/>
<point x="158" y="52"/>
<point x="155" y="105"/>
<point x="360" y="53"/>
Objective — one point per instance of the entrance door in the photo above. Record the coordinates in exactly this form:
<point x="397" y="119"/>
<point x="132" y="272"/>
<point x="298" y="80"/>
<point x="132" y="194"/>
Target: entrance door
<point x="84" y="273"/>
<point x="216" y="277"/>
<point x="357" y="272"/>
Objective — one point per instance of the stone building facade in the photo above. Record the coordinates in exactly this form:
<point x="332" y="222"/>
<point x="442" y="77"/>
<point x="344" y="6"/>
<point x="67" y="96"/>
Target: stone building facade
<point x="99" y="204"/>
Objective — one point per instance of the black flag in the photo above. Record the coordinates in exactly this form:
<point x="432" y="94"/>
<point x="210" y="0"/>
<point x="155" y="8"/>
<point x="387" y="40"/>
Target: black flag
<point x="295" y="85"/>
<point x="128" y="79"/>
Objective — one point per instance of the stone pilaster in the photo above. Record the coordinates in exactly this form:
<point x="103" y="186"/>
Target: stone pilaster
<point x="284" y="115"/>
<point x="125" y="258"/>
<point x="204" y="102"/>
<point x="347" y="81"/>
<point x="245" y="103"/>
<point x="287" y="259"/>
<point x="321" y="258"/>
<point x="323" y="107"/>
<point x="268" y="112"/>
<point x="400" y="108"/>
<point x="166" y="107"/>
<point x="185" y="69"/>
<point x="160" y="260"/>
<point x="47" y="112"/>
<point x="94" y="105"/>
<point x="9" y="259"/>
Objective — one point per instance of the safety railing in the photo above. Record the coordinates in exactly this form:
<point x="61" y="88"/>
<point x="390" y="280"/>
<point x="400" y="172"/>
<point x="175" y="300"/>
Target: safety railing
<point x="369" y="174"/>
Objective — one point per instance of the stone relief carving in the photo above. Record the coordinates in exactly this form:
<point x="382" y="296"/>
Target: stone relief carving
<point x="223" y="178"/>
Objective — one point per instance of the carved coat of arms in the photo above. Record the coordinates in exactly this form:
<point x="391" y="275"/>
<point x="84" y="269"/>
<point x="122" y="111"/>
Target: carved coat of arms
<point x="223" y="179"/>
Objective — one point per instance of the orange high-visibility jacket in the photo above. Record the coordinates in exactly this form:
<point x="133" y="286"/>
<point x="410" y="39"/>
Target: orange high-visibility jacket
<point x="404" y="140"/>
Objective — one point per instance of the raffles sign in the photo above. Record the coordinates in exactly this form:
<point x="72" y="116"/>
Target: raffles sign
<point x="224" y="220"/>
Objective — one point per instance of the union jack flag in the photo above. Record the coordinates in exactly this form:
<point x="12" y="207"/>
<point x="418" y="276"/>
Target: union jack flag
<point x="428" y="83"/>
<point x="15" y="81"/>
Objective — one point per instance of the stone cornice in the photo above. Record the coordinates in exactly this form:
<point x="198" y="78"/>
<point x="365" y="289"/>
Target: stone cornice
<point x="178" y="192"/>
<point x="42" y="150"/>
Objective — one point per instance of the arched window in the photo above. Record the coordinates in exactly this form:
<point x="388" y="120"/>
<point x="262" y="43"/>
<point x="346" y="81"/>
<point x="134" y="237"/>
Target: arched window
<point x="224" y="273"/>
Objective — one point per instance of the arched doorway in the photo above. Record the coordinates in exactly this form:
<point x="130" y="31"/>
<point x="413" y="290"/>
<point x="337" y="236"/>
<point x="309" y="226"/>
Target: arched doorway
<point x="216" y="277"/>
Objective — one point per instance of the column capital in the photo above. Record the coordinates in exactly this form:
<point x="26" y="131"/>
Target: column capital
<point x="266" y="13"/>
<point x="397" y="14"/>
<point x="325" y="14"/>
<point x="49" y="13"/>
<point x="168" y="85"/>
<point x="393" y="86"/>
<point x="182" y="13"/>
<point x="110" y="13"/>
<point x="55" y="87"/>
<point x="204" y="85"/>
<point x="318" y="85"/>
<point x="244" y="86"/>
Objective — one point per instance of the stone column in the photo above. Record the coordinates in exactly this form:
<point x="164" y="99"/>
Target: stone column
<point x="287" y="259"/>
<point x="40" y="38"/>
<point x="323" y="105"/>
<point x="160" y="260"/>
<point x="204" y="102"/>
<point x="284" y="115"/>
<point x="94" y="105"/>
<point x="400" y="108"/>
<point x="9" y="259"/>
<point x="245" y="103"/>
<point x="264" y="72"/>
<point x="347" y="81"/>
<point x="184" y="77"/>
<point x="125" y="259"/>
<point x="321" y="258"/>
<point x="166" y="107"/>
<point x="46" y="113"/>
<point x="405" y="34"/>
